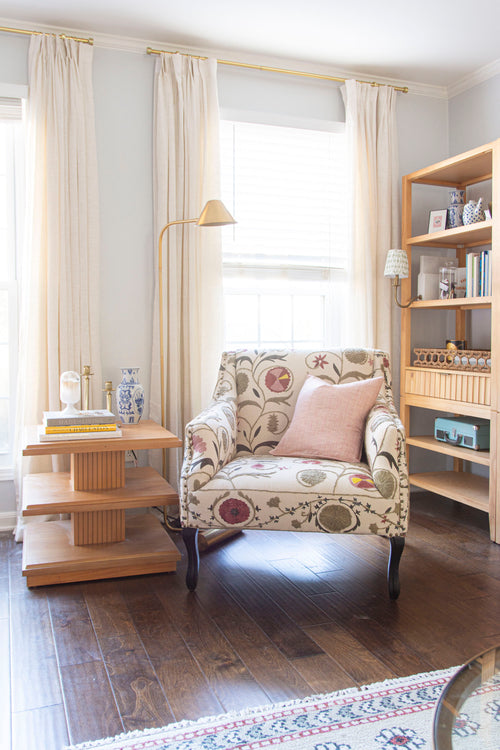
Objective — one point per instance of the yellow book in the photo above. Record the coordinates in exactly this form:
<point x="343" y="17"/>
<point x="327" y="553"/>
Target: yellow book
<point x="66" y="428"/>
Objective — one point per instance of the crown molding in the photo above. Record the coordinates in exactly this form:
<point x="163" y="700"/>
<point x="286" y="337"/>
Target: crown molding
<point x="474" y="79"/>
<point x="139" y="46"/>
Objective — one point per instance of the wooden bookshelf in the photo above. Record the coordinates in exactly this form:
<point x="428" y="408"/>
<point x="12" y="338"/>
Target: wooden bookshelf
<point x="461" y="391"/>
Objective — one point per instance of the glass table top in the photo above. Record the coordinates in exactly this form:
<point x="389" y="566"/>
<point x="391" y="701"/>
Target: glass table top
<point x="467" y="715"/>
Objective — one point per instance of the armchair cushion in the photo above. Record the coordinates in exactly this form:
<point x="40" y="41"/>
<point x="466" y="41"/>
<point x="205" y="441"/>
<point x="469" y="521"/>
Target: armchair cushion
<point x="297" y="494"/>
<point x="329" y="420"/>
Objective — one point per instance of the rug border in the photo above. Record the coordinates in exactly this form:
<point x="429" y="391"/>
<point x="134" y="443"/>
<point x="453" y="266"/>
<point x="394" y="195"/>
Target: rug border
<point x="391" y="682"/>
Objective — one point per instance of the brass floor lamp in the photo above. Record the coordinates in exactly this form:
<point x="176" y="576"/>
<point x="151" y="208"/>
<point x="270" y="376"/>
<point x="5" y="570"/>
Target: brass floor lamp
<point x="214" y="214"/>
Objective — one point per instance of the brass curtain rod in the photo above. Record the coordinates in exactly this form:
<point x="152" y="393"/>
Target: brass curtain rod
<point x="150" y="51"/>
<point x="40" y="33"/>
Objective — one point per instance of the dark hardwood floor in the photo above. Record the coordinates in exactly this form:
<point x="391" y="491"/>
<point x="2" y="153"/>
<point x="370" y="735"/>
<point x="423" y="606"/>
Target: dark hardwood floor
<point x="275" y="616"/>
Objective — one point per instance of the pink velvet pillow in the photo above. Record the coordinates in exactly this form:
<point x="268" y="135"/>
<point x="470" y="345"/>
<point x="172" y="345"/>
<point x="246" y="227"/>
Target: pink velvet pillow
<point x="329" y="420"/>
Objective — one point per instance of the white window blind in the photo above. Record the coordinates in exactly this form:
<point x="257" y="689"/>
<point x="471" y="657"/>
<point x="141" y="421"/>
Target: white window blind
<point x="285" y="259"/>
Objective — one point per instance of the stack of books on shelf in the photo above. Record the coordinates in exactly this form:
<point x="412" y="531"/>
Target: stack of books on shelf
<point x="91" y="424"/>
<point x="478" y="276"/>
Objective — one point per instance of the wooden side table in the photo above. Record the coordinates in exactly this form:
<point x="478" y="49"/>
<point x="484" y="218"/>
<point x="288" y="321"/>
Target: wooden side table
<point x="98" y="541"/>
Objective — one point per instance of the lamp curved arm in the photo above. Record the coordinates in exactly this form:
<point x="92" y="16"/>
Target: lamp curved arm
<point x="395" y="285"/>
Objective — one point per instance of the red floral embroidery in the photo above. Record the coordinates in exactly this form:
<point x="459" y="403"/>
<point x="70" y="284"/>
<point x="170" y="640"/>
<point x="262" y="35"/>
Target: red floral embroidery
<point x="278" y="379"/>
<point x="234" y="510"/>
<point x="320" y="361"/>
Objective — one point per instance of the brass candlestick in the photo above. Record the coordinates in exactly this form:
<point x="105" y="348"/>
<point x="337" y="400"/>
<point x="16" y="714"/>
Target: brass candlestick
<point x="86" y="386"/>
<point x="108" y="390"/>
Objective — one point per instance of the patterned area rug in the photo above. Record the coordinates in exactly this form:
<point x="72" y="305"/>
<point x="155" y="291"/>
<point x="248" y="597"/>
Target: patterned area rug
<point x="383" y="716"/>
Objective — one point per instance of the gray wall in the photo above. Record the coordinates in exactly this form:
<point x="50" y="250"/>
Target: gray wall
<point x="475" y="116"/>
<point x="124" y="109"/>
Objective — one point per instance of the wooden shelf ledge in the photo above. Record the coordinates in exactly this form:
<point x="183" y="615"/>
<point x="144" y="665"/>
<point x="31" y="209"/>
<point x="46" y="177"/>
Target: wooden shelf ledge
<point x="428" y="442"/>
<point x="468" y="236"/>
<point x="49" y="557"/>
<point x="143" y="435"/>
<point x="52" y="493"/>
<point x="469" y="489"/>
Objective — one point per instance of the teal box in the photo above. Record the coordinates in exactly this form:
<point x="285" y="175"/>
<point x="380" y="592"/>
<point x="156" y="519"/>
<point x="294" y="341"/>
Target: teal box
<point x="466" y="432"/>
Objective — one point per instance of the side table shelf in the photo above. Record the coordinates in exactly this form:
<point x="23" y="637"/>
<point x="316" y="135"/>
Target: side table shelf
<point x="99" y="541"/>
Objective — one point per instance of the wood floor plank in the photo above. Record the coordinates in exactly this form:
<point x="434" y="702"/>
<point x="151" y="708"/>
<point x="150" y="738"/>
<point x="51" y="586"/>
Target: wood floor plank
<point x="17" y="582"/>
<point x="274" y="673"/>
<point x="108" y="609"/>
<point x="226" y="674"/>
<point x="381" y="641"/>
<point x="285" y="589"/>
<point x="4" y="592"/>
<point x="138" y="694"/>
<point x="292" y="641"/>
<point x="323" y="674"/>
<point x="40" y="728"/>
<point x="350" y="654"/>
<point x="35" y="679"/>
<point x="185" y="686"/>
<point x="90" y="704"/>
<point x="72" y="627"/>
<point x="5" y="729"/>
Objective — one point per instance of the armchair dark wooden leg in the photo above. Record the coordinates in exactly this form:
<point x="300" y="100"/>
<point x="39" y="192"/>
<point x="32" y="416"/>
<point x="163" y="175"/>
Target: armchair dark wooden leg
<point x="190" y="537"/>
<point x="397" y="547"/>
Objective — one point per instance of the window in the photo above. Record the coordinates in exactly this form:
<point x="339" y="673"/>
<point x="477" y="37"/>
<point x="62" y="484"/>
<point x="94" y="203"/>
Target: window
<point x="11" y="191"/>
<point x="285" y="259"/>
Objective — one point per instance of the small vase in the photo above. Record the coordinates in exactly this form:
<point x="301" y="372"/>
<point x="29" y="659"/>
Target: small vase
<point x="455" y="209"/>
<point x="129" y="396"/>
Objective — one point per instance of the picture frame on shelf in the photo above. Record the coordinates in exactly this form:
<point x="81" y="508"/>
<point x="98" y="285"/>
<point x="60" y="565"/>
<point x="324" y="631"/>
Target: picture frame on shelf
<point x="437" y="220"/>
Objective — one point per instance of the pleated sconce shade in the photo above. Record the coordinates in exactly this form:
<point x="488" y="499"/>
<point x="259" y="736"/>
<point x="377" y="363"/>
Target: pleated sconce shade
<point x="396" y="264"/>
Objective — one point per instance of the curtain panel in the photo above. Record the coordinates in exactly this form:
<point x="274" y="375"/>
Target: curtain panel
<point x="59" y="320"/>
<point x="186" y="175"/>
<point x="374" y="227"/>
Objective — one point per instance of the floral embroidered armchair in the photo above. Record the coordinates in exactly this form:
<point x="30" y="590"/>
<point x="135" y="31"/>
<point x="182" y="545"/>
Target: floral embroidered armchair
<point x="229" y="479"/>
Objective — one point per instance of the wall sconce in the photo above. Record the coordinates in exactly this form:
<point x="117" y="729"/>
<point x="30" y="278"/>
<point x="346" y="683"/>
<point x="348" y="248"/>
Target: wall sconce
<point x="396" y="267"/>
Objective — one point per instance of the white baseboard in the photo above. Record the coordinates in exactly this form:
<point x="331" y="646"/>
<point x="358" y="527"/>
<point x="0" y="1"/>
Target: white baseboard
<point x="8" y="520"/>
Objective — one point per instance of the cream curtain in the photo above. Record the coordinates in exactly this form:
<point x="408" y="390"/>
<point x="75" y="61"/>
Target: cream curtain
<point x="59" y="323"/>
<point x="186" y="175"/>
<point x="372" y="138"/>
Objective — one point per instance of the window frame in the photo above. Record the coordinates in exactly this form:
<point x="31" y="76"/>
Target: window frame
<point x="330" y="277"/>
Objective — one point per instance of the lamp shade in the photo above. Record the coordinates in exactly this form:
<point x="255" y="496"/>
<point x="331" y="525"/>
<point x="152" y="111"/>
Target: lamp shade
<point x="215" y="214"/>
<point x="396" y="264"/>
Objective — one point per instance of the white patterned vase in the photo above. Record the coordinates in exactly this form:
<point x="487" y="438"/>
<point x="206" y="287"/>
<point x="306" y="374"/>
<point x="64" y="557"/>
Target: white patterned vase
<point x="455" y="209"/>
<point x="129" y="396"/>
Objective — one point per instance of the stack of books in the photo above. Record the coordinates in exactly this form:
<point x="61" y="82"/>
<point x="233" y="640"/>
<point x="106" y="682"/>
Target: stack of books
<point x="94" y="423"/>
<point x="478" y="282"/>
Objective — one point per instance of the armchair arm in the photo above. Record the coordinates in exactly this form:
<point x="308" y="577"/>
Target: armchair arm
<point x="386" y="454"/>
<point x="210" y="445"/>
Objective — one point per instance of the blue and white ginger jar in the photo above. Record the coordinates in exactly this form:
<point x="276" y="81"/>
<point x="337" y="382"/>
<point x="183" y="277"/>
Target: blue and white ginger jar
<point x="455" y="208"/>
<point x="129" y="396"/>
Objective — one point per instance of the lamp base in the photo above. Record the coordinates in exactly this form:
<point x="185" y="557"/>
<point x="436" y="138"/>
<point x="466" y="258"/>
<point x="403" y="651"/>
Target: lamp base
<point x="209" y="537"/>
